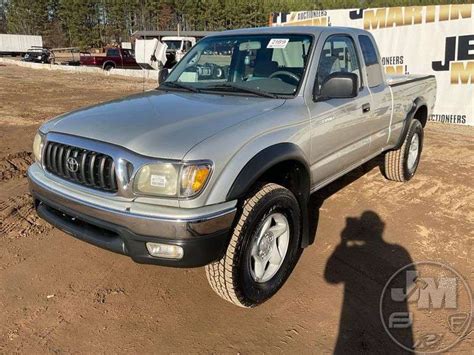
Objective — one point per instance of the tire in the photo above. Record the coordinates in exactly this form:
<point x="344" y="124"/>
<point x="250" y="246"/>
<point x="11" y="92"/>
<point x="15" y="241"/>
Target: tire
<point x="108" y="66"/>
<point x="399" y="165"/>
<point x="232" y="277"/>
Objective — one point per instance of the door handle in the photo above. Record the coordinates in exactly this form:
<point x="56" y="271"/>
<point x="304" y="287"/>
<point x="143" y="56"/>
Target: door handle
<point x="365" y="108"/>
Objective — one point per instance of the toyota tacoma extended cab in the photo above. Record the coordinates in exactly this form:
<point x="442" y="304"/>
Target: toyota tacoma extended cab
<point x="216" y="166"/>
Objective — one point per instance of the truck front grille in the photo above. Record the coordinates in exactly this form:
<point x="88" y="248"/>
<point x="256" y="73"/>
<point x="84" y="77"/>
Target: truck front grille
<point x="95" y="170"/>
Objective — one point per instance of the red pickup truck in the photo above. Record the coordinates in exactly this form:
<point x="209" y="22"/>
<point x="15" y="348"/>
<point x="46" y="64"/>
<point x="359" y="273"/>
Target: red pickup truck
<point x="113" y="58"/>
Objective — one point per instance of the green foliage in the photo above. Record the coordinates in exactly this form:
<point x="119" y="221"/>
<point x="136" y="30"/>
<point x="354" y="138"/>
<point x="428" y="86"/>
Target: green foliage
<point x="27" y="17"/>
<point x="3" y="16"/>
<point x="95" y="23"/>
<point x="82" y="21"/>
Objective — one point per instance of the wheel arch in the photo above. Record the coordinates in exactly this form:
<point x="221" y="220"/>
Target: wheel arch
<point x="419" y="111"/>
<point x="107" y="63"/>
<point x="421" y="114"/>
<point x="265" y="164"/>
<point x="284" y="164"/>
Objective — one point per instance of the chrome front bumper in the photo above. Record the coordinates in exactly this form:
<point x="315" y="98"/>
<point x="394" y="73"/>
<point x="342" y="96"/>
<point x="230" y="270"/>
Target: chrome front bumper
<point x="124" y="226"/>
<point x="165" y="222"/>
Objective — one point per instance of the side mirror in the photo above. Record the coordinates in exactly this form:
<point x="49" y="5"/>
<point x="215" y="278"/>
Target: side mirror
<point x="163" y="75"/>
<point x="338" y="85"/>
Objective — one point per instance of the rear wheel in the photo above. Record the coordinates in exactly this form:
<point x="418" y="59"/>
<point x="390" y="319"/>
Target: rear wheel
<point x="108" y="66"/>
<point x="263" y="250"/>
<point x="401" y="164"/>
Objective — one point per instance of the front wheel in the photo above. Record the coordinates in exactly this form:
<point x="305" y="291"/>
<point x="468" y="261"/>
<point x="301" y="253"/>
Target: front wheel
<point x="263" y="250"/>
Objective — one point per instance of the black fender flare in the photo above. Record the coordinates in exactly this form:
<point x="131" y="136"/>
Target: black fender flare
<point x="406" y="124"/>
<point x="265" y="160"/>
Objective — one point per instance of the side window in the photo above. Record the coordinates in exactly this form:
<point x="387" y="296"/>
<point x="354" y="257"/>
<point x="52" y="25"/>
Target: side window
<point x="371" y="59"/>
<point x="187" y="45"/>
<point x="338" y="55"/>
<point x="113" y="53"/>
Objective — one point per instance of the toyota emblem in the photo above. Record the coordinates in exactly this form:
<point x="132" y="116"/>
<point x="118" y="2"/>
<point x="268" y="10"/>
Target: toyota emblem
<point x="72" y="165"/>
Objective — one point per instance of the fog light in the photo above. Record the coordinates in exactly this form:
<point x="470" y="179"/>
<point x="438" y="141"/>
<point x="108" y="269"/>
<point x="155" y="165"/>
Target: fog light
<point x="167" y="251"/>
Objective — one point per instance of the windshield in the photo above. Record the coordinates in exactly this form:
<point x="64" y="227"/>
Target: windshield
<point x="173" y="45"/>
<point x="272" y="64"/>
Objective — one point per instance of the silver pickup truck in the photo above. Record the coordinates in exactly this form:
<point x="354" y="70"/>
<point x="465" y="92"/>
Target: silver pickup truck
<point x="215" y="167"/>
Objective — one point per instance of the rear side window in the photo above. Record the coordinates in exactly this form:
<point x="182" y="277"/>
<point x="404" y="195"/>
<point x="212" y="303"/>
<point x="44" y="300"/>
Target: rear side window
<point x="368" y="50"/>
<point x="371" y="59"/>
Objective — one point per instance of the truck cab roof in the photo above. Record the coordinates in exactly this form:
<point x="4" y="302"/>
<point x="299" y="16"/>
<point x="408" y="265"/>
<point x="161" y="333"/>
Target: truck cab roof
<point x="308" y="30"/>
<point x="177" y="38"/>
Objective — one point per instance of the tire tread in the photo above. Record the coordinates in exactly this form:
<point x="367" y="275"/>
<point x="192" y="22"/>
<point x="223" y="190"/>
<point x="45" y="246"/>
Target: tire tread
<point x="220" y="274"/>
<point x="394" y="160"/>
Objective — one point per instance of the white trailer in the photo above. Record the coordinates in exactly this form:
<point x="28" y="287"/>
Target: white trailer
<point x="150" y="53"/>
<point x="11" y="44"/>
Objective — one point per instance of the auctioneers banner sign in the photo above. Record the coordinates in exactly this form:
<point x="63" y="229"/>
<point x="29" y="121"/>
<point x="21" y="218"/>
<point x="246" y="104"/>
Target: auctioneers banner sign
<point x="435" y="40"/>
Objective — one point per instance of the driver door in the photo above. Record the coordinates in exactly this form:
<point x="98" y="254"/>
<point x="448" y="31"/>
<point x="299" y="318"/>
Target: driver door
<point x="339" y="127"/>
<point x="128" y="60"/>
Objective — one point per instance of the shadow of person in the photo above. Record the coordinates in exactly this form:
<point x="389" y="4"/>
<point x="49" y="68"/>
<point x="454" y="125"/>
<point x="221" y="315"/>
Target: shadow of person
<point x="317" y="199"/>
<point x="364" y="262"/>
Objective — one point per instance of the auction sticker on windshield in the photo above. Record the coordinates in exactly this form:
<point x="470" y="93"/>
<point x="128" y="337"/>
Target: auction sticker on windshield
<point x="278" y="43"/>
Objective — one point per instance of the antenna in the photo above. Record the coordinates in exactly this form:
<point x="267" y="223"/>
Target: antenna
<point x="143" y="69"/>
<point x="144" y="45"/>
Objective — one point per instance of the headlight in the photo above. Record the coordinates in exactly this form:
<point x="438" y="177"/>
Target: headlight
<point x="172" y="180"/>
<point x="158" y="179"/>
<point x="38" y="146"/>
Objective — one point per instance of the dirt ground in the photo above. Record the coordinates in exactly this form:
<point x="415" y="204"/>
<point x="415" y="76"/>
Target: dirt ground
<point x="58" y="294"/>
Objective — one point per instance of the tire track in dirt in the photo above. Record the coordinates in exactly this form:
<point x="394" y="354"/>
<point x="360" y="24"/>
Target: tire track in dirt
<point x="19" y="219"/>
<point x="15" y="165"/>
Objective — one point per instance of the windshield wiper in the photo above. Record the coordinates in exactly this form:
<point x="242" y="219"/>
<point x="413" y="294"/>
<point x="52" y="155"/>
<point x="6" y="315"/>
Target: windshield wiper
<point x="175" y="84"/>
<point x="237" y="87"/>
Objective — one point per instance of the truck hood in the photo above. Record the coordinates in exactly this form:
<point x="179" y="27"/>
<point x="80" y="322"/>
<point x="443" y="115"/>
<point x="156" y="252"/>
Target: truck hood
<point x="161" y="124"/>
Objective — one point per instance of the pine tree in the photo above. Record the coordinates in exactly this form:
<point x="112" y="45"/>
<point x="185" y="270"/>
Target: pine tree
<point x="27" y="17"/>
<point x="3" y="16"/>
<point x="82" y="22"/>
